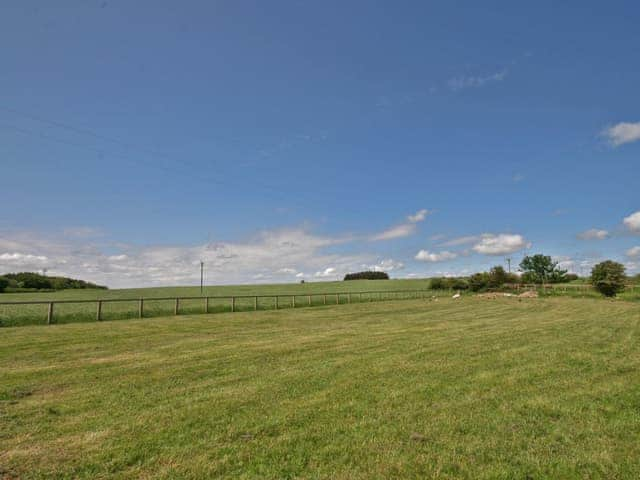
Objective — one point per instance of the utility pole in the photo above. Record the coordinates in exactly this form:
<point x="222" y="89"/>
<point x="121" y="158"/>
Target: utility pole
<point x="508" y="259"/>
<point x="201" y="276"/>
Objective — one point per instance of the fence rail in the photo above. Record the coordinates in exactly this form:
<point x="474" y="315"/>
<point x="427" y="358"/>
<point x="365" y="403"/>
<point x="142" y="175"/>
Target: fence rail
<point x="309" y="299"/>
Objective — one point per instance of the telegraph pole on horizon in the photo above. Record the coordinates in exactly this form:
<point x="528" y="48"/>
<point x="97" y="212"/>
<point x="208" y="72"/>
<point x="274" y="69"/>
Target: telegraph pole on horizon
<point x="201" y="276"/>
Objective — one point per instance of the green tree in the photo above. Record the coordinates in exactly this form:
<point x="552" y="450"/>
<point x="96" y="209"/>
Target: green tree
<point x="608" y="278"/>
<point x="478" y="281"/>
<point x="541" y="269"/>
<point x="497" y="277"/>
<point x="4" y="283"/>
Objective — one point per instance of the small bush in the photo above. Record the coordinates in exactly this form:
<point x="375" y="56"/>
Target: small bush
<point x="608" y="278"/>
<point x="438" y="283"/>
<point x="478" y="282"/>
<point x="458" y="283"/>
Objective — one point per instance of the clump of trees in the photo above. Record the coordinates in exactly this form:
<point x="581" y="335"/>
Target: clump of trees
<point x="449" y="283"/>
<point x="608" y="278"/>
<point x="4" y="283"/>
<point x="541" y="269"/>
<point x="495" y="278"/>
<point x="35" y="281"/>
<point x="368" y="275"/>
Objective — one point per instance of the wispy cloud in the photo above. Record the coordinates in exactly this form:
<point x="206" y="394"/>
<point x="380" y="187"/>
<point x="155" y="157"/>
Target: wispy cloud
<point x="467" y="81"/>
<point x="633" y="252"/>
<point x="622" y="133"/>
<point x="404" y="229"/>
<point x="593" y="234"/>
<point x="271" y="255"/>
<point x="456" y="242"/>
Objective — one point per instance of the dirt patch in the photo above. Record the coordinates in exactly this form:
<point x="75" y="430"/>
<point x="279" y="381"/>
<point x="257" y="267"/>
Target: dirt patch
<point x="529" y="294"/>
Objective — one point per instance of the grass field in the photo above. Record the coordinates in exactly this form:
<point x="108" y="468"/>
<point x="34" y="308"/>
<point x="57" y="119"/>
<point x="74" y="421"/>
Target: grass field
<point x="473" y="388"/>
<point x="14" y="315"/>
<point x="11" y="315"/>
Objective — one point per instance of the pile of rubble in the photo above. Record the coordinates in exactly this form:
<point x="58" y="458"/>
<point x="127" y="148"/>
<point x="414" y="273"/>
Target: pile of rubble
<point x="494" y="295"/>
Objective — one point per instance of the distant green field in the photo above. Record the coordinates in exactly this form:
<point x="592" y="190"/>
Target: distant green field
<point x="471" y="388"/>
<point x="11" y="315"/>
<point x="65" y="313"/>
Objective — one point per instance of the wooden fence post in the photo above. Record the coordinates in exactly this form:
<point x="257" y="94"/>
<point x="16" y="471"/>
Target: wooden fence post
<point x="349" y="298"/>
<point x="276" y="302"/>
<point x="233" y="304"/>
<point x="99" y="310"/>
<point x="293" y="301"/>
<point x="141" y="308"/>
<point x="50" y="314"/>
<point x="255" y="303"/>
<point x="337" y="298"/>
<point x="206" y="304"/>
<point x="176" y="308"/>
<point x="309" y="299"/>
<point x="324" y="299"/>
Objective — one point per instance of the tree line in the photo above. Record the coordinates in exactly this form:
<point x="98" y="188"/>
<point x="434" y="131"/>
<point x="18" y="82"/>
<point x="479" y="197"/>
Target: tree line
<point x="608" y="277"/>
<point x="368" y="275"/>
<point x="34" y="281"/>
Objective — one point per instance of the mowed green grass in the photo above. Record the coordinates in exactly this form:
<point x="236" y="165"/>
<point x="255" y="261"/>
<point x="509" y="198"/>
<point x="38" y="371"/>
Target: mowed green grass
<point x="12" y="315"/>
<point x="470" y="388"/>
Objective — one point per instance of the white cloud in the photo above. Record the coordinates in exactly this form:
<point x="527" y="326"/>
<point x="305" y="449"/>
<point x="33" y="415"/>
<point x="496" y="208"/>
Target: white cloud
<point x="455" y="242"/>
<point x="632" y="222"/>
<point x="404" y="229"/>
<point x="22" y="258"/>
<point x="462" y="82"/>
<point x="426" y="256"/>
<point x="633" y="252"/>
<point x="419" y="216"/>
<point x="593" y="234"/>
<point x="622" y="133"/>
<point x="327" y="272"/>
<point x="501" y="244"/>
<point x="387" y="265"/>
<point x="287" y="271"/>
<point x="399" y="231"/>
<point x="265" y="257"/>
<point x="82" y="232"/>
<point x="518" y="177"/>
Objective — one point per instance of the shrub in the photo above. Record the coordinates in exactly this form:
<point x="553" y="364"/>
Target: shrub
<point x="458" y="284"/>
<point x="608" y="278"/>
<point x="478" y="282"/>
<point x="438" y="283"/>
<point x="4" y="283"/>
<point x="367" y="276"/>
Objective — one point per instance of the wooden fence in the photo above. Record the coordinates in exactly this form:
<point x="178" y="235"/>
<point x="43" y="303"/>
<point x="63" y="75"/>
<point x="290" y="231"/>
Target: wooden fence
<point x="295" y="300"/>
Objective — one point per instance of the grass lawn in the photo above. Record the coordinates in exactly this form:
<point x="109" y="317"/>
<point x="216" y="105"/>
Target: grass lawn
<point x="473" y="388"/>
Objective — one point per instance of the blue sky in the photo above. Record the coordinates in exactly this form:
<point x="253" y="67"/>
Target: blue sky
<point x="288" y="140"/>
